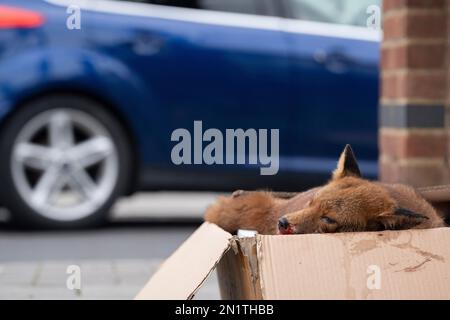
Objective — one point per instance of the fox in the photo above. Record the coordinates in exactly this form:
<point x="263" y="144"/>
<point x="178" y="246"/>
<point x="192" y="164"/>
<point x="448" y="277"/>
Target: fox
<point x="347" y="203"/>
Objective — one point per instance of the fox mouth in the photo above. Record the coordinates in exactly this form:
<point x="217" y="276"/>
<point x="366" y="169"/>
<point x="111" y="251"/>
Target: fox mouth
<point x="286" y="231"/>
<point x="284" y="227"/>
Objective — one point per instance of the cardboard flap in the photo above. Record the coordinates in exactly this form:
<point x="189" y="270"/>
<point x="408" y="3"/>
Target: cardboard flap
<point x="183" y="273"/>
<point x="410" y="264"/>
<point x="436" y="194"/>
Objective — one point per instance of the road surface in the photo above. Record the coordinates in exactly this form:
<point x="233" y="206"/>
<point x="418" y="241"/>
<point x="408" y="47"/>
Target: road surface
<point x="115" y="261"/>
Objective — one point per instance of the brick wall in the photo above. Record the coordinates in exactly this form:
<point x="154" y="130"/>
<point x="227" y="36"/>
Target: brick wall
<point x="414" y="133"/>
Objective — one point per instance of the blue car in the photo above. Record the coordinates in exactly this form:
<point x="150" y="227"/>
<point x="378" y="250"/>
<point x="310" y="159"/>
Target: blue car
<point x="92" y="93"/>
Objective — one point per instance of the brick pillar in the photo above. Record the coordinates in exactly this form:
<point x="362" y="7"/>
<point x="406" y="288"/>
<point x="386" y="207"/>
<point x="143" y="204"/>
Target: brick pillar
<point x="414" y="93"/>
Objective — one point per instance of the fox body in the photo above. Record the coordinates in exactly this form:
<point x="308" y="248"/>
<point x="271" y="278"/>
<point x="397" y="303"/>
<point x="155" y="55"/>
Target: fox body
<point x="347" y="203"/>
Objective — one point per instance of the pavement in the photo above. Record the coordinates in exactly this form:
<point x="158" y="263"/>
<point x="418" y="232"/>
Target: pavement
<point x="114" y="262"/>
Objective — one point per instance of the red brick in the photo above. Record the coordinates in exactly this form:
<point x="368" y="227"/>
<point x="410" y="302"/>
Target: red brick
<point x="389" y="172"/>
<point x="425" y="86"/>
<point x="389" y="87"/>
<point x="415" y="59"/>
<point x="428" y="56"/>
<point x="418" y="175"/>
<point x="394" y="26"/>
<point x="414" y="85"/>
<point x="448" y="142"/>
<point x="416" y="24"/>
<point x="398" y="144"/>
<point x="389" y="5"/>
<point x="426" y="25"/>
<point x="414" y="56"/>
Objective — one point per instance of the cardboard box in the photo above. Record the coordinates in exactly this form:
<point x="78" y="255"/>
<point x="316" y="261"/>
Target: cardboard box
<point x="410" y="264"/>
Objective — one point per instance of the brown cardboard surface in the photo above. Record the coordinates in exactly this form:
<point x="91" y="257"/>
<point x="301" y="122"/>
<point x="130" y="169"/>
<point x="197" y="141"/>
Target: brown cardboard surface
<point x="187" y="268"/>
<point x="413" y="264"/>
<point x="238" y="271"/>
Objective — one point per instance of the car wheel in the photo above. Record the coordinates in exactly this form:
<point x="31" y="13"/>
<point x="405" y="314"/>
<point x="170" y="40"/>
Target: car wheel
<point x="66" y="160"/>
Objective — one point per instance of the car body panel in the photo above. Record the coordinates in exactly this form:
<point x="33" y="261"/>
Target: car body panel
<point x="163" y="68"/>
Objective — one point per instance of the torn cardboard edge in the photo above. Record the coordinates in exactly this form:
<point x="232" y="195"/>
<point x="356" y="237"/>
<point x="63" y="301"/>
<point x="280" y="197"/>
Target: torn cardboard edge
<point x="184" y="272"/>
<point x="238" y="271"/>
<point x="412" y="264"/>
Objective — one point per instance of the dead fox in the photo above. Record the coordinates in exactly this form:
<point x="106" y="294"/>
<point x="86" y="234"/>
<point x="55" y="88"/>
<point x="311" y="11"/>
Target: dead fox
<point x="347" y="203"/>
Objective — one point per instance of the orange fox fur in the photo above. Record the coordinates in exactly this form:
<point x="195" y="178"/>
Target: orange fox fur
<point x="346" y="203"/>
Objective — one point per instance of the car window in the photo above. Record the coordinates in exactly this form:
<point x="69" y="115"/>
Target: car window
<point x="259" y="7"/>
<point x="347" y="12"/>
<point x="240" y="6"/>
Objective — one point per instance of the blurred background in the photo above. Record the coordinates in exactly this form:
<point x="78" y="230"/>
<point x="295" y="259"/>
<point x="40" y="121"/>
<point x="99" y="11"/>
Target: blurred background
<point x="92" y="90"/>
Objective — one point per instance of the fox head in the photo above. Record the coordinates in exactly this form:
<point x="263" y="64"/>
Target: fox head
<point x="348" y="203"/>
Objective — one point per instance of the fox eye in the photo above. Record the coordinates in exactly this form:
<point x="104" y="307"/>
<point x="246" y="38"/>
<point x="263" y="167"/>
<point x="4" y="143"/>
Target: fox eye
<point x="327" y="220"/>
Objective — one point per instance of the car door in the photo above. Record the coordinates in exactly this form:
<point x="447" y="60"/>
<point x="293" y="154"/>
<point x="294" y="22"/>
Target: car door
<point x="334" y="81"/>
<point x="222" y="62"/>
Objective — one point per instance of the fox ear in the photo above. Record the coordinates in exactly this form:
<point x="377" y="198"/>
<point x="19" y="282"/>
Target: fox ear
<point x="347" y="165"/>
<point x="401" y="219"/>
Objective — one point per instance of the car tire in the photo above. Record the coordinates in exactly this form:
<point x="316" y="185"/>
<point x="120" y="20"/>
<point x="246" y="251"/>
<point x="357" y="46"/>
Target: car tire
<point x="66" y="161"/>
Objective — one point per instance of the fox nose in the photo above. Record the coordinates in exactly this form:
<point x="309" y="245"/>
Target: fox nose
<point x="283" y="223"/>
